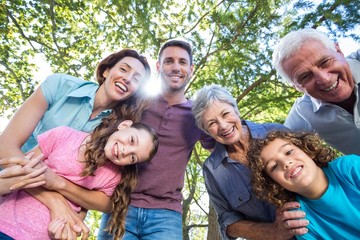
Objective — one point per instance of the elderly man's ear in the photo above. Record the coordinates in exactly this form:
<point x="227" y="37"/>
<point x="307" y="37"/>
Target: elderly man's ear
<point x="338" y="48"/>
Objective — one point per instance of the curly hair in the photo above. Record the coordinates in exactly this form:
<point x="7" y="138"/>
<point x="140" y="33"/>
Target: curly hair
<point x="264" y="187"/>
<point x="95" y="157"/>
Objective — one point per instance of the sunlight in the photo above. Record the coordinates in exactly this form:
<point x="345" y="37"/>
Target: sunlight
<point x="152" y="88"/>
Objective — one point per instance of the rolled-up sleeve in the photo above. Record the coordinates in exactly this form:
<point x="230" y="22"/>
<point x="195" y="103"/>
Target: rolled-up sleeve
<point x="225" y="216"/>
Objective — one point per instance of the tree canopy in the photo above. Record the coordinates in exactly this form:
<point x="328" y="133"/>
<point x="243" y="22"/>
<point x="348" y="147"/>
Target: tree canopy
<point x="232" y="41"/>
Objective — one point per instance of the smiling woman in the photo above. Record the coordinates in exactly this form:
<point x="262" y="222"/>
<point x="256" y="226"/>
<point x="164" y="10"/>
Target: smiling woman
<point x="64" y="100"/>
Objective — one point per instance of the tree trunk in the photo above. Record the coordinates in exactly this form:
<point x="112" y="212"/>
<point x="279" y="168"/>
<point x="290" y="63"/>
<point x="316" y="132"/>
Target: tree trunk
<point x="213" y="229"/>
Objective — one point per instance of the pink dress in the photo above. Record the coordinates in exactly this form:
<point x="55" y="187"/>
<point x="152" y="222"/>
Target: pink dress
<point x="24" y="217"/>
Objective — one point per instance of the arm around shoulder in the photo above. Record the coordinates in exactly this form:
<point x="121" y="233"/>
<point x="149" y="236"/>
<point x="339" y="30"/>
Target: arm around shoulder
<point x="255" y="231"/>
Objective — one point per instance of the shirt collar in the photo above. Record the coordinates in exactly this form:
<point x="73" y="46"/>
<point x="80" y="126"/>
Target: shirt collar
<point x="88" y="91"/>
<point x="219" y="154"/>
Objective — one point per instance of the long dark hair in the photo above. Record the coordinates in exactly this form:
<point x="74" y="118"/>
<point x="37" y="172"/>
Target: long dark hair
<point x="95" y="157"/>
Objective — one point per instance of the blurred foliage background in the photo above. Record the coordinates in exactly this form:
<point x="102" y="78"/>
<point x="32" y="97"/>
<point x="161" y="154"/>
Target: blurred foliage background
<point x="232" y="40"/>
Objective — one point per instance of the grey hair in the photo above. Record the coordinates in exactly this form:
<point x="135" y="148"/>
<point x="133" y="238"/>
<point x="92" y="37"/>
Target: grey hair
<point x="204" y="98"/>
<point x="292" y="42"/>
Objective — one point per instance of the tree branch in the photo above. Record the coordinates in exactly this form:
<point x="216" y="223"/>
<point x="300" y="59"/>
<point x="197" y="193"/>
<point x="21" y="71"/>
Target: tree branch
<point x="202" y="17"/>
<point x="18" y="81"/>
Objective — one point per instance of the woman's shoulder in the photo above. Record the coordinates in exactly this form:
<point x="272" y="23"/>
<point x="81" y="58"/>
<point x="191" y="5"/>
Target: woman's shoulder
<point x="60" y="84"/>
<point x="65" y="79"/>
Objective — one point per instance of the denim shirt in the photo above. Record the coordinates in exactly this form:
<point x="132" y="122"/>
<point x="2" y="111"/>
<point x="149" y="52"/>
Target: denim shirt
<point x="228" y="183"/>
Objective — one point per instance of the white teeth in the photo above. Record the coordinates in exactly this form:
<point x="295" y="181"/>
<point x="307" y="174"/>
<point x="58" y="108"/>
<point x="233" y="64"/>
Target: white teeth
<point x="175" y="76"/>
<point x="332" y="86"/>
<point x="116" y="149"/>
<point x="121" y="86"/>
<point x="296" y="171"/>
<point x="228" y="132"/>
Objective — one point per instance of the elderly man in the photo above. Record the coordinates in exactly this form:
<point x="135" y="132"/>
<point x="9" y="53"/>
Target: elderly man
<point x="316" y="66"/>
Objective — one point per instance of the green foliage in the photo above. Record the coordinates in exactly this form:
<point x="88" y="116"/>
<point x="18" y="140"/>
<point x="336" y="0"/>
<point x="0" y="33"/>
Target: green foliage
<point x="92" y="220"/>
<point x="232" y="39"/>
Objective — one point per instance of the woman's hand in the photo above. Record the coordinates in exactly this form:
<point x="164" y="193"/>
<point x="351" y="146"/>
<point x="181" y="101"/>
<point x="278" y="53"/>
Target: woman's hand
<point x="31" y="167"/>
<point x="290" y="222"/>
<point x="21" y="172"/>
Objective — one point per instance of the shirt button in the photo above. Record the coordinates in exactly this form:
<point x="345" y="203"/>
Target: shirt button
<point x="240" y="199"/>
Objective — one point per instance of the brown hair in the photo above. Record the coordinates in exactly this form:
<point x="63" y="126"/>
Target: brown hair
<point x="111" y="60"/>
<point x="132" y="107"/>
<point x="264" y="186"/>
<point x="177" y="43"/>
<point x="95" y="157"/>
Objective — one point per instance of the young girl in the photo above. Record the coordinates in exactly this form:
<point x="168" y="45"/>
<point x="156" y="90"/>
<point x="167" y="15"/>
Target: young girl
<point x="64" y="100"/>
<point x="288" y="166"/>
<point x="91" y="161"/>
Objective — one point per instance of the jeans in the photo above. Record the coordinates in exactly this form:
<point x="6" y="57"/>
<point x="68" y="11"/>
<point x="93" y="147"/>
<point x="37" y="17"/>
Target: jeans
<point x="3" y="236"/>
<point x="147" y="224"/>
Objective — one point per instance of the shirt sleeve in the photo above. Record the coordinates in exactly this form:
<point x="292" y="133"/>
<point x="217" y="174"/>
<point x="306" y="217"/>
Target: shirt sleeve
<point x="349" y="168"/>
<point x="49" y="139"/>
<point x="225" y="216"/>
<point x="355" y="55"/>
<point x="206" y="141"/>
<point x="111" y="177"/>
<point x="51" y="87"/>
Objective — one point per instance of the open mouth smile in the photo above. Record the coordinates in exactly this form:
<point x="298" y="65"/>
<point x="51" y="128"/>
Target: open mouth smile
<point x="332" y="86"/>
<point x="296" y="171"/>
<point x="116" y="148"/>
<point x="228" y="132"/>
<point x="121" y="86"/>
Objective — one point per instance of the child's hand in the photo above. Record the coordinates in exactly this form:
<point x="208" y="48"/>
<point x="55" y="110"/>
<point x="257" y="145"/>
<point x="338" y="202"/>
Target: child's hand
<point x="21" y="172"/>
<point x="66" y="223"/>
<point x="53" y="181"/>
<point x="56" y="227"/>
<point x="21" y="160"/>
<point x="34" y="178"/>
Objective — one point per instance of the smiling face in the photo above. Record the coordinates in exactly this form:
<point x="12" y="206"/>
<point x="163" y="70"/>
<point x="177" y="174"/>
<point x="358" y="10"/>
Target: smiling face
<point x="128" y="145"/>
<point x="222" y="123"/>
<point x="320" y="72"/>
<point x="175" y="69"/>
<point x="290" y="167"/>
<point x="124" y="78"/>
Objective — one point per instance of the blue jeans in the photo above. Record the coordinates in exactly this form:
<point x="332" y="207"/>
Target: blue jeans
<point x="3" y="236"/>
<point x="147" y="224"/>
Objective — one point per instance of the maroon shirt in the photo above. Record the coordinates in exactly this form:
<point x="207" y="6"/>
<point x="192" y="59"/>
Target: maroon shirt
<point x="162" y="179"/>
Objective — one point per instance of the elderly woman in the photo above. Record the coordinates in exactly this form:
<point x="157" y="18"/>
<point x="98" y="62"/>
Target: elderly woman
<point x="228" y="176"/>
